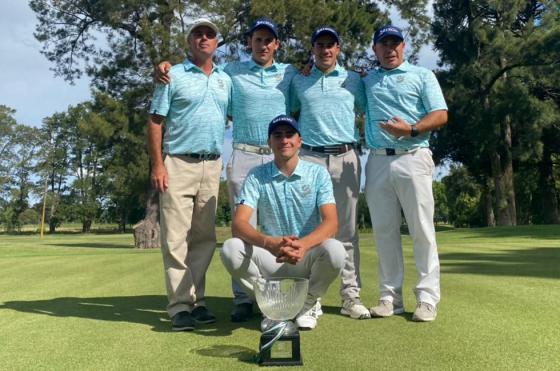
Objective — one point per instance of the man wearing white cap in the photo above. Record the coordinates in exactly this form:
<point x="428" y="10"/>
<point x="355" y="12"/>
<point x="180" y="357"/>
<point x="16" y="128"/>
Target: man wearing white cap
<point x="260" y="89"/>
<point x="194" y="107"/>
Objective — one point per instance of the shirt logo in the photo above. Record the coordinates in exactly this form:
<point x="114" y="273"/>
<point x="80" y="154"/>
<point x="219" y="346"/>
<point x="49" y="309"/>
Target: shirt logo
<point x="241" y="202"/>
<point x="400" y="79"/>
<point x="221" y="84"/>
<point x="305" y="190"/>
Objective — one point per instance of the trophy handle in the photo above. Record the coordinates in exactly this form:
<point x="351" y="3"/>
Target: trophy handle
<point x="279" y="328"/>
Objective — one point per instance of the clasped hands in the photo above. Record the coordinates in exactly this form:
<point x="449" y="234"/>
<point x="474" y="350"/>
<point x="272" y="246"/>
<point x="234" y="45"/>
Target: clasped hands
<point x="287" y="249"/>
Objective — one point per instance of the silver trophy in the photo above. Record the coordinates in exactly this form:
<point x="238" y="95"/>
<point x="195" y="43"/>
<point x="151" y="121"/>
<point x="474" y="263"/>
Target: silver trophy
<point x="280" y="299"/>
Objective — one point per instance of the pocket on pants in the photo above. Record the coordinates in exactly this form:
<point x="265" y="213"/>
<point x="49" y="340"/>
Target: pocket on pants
<point x="424" y="164"/>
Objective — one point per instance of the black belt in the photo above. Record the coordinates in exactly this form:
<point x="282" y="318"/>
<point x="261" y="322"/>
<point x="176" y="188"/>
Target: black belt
<point x="202" y="156"/>
<point x="331" y="150"/>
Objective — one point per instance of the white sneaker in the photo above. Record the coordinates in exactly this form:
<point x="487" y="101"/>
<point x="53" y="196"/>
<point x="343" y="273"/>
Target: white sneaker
<point x="307" y="318"/>
<point x="354" y="308"/>
<point x="424" y="312"/>
<point x="386" y="308"/>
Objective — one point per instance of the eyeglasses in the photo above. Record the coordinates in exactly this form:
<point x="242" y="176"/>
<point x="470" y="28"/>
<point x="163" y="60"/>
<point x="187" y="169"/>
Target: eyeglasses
<point x="208" y="34"/>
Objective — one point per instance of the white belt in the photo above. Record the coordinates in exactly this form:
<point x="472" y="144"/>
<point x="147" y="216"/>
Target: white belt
<point x="252" y="149"/>
<point x="391" y="151"/>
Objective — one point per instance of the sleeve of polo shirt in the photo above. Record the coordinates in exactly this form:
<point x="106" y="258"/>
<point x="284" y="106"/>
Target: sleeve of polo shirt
<point x="249" y="194"/>
<point x="295" y="105"/>
<point x="360" y="96"/>
<point x="325" y="193"/>
<point x="161" y="100"/>
<point x="432" y="96"/>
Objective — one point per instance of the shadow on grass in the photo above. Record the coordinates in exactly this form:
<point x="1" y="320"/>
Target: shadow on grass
<point x="143" y="309"/>
<point x="540" y="262"/>
<point x="242" y="354"/>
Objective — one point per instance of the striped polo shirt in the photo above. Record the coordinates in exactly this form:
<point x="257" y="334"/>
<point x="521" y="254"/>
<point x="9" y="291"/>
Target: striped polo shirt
<point x="195" y="107"/>
<point x="328" y="104"/>
<point x="287" y="206"/>
<point x="408" y="92"/>
<point x="259" y="94"/>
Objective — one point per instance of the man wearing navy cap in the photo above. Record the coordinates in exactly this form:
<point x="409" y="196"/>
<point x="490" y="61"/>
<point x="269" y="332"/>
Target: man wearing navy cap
<point x="404" y="104"/>
<point x="187" y="175"/>
<point x="260" y="93"/>
<point x="297" y="215"/>
<point x="327" y="101"/>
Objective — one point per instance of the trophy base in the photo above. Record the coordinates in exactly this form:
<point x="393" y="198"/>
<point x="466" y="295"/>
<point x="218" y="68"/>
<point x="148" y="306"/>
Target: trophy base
<point x="284" y="352"/>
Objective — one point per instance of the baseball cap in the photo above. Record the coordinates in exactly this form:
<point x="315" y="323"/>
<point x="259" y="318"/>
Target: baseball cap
<point x="283" y="120"/>
<point x="202" y="22"/>
<point x="263" y="22"/>
<point x="324" y="30"/>
<point x="385" y="31"/>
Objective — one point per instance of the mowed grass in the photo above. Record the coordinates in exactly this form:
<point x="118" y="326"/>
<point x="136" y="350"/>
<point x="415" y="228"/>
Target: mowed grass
<point x="75" y="302"/>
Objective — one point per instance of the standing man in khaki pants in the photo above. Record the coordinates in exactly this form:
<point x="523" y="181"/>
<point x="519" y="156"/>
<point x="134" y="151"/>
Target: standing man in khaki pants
<point x="194" y="106"/>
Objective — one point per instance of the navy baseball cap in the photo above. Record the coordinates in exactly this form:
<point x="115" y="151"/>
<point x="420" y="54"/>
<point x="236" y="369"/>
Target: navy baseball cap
<point x="324" y="30"/>
<point x="263" y="22"/>
<point x="283" y="120"/>
<point x="385" y="31"/>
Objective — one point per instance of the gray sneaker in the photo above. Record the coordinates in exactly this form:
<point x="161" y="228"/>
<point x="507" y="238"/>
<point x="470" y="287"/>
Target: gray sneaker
<point x="386" y="308"/>
<point x="354" y="308"/>
<point x="424" y="312"/>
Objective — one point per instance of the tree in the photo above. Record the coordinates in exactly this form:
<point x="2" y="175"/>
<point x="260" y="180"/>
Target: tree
<point x="493" y="51"/>
<point x="463" y="197"/>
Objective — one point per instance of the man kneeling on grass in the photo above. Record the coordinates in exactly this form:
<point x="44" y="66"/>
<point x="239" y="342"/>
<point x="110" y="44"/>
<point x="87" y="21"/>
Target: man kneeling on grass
<point x="297" y="215"/>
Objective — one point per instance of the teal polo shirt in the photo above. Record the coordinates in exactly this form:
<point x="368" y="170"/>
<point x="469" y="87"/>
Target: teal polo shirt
<point x="195" y="107"/>
<point x="287" y="206"/>
<point x="328" y="104"/>
<point x="259" y="94"/>
<point x="409" y="92"/>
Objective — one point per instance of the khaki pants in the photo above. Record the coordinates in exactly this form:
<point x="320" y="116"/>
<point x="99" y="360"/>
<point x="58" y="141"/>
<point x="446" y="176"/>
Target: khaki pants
<point x="345" y="171"/>
<point x="188" y="236"/>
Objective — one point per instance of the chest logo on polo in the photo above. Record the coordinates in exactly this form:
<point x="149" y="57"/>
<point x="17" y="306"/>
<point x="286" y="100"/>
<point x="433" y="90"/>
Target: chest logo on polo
<point x="221" y="84"/>
<point x="305" y="190"/>
<point x="400" y="79"/>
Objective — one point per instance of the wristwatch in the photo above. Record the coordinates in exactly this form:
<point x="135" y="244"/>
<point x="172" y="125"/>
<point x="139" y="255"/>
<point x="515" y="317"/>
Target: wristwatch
<point x="413" y="131"/>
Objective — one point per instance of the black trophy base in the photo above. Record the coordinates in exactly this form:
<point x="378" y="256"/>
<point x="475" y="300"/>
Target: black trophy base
<point x="284" y="352"/>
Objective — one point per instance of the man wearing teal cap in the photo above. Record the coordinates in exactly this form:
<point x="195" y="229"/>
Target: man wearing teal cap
<point x="327" y="101"/>
<point x="404" y="104"/>
<point x="297" y="215"/>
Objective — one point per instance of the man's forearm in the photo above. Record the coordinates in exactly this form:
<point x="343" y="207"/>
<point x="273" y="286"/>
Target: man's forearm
<point x="248" y="233"/>
<point x="154" y="140"/>
<point x="432" y="121"/>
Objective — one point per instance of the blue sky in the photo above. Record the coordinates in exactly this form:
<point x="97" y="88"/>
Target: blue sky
<point x="27" y="83"/>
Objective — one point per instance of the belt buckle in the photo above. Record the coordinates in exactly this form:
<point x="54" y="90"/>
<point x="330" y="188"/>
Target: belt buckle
<point x="331" y="150"/>
<point x="390" y="151"/>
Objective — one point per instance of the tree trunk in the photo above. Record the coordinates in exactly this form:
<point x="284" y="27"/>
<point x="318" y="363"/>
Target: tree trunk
<point x="147" y="232"/>
<point x="86" y="226"/>
<point x="549" y="193"/>
<point x="509" y="186"/>
<point x="490" y="217"/>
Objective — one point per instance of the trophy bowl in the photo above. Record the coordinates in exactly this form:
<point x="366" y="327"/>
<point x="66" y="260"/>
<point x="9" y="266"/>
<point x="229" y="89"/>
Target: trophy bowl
<point x="280" y="299"/>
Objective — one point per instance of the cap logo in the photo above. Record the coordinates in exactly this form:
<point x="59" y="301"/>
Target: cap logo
<point x="264" y="23"/>
<point x="388" y="29"/>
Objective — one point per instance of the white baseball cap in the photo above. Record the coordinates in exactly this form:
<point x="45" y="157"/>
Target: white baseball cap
<point x="202" y="22"/>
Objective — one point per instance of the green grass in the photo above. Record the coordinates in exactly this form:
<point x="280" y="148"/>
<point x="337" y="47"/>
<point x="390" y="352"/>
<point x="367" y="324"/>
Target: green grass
<point x="73" y="302"/>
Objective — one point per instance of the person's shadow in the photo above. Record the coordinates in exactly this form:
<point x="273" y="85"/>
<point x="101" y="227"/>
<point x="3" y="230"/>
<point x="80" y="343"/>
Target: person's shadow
<point x="143" y="309"/>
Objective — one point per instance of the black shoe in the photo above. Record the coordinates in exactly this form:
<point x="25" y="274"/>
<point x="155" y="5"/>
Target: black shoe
<point x="242" y="312"/>
<point x="203" y="315"/>
<point x="182" y="321"/>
